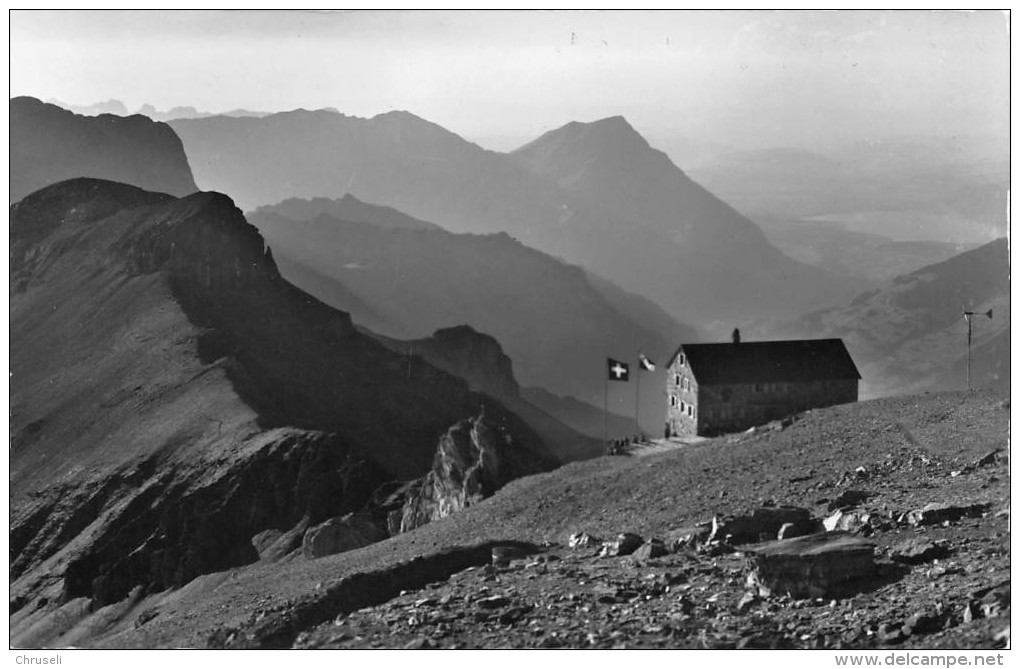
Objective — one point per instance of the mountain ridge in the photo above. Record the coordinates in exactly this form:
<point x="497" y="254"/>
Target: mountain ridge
<point x="50" y="144"/>
<point x="646" y="238"/>
<point x="172" y="396"/>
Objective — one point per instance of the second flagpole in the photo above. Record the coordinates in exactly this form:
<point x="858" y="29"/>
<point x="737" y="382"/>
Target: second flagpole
<point x="637" y="398"/>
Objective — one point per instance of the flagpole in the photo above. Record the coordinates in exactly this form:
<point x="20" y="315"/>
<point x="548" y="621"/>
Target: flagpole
<point x="605" y="412"/>
<point x="637" y="398"/>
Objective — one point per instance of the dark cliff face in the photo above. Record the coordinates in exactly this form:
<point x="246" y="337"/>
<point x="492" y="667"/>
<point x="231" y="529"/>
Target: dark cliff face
<point x="172" y="396"/>
<point x="50" y="144"/>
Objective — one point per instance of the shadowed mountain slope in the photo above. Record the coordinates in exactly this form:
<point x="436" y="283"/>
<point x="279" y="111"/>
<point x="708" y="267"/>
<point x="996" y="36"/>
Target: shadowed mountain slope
<point x="172" y="396"/>
<point x="50" y="144"/>
<point x="594" y="194"/>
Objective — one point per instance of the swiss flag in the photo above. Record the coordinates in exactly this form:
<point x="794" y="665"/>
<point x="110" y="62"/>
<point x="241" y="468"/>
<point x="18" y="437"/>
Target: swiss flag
<point x="618" y="371"/>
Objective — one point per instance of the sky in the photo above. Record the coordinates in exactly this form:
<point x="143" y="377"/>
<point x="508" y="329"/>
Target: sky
<point x="751" y="79"/>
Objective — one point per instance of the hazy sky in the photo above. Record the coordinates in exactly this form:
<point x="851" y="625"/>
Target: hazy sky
<point x="749" y="78"/>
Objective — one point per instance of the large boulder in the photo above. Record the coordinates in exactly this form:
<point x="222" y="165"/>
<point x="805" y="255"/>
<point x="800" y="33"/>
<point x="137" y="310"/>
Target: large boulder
<point x="819" y="565"/>
<point x="336" y="535"/>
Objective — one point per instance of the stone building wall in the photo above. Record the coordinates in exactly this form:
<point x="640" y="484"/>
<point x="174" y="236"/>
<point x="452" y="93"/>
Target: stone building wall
<point x="682" y="414"/>
<point x="694" y="409"/>
<point x="736" y="407"/>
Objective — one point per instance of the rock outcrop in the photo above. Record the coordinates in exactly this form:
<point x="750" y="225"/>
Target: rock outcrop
<point x="475" y="458"/>
<point x="50" y="144"/>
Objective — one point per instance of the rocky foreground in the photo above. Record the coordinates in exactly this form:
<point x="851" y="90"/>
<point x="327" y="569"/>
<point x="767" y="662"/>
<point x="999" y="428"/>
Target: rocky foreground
<point x="895" y="522"/>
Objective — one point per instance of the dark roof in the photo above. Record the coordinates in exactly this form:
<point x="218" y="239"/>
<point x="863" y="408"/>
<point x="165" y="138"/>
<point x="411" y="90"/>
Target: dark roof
<point x="770" y="361"/>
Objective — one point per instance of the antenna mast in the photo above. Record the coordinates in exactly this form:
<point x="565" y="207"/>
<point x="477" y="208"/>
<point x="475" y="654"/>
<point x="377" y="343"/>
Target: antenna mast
<point x="967" y="315"/>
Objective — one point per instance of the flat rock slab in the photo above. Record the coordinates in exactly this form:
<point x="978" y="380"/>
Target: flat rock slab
<point x="819" y="565"/>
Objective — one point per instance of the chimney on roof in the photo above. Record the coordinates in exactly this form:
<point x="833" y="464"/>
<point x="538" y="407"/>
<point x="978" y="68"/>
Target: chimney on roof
<point x="736" y="335"/>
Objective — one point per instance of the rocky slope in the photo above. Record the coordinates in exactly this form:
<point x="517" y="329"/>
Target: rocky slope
<point x="50" y="144"/>
<point x="172" y="397"/>
<point x="594" y="194"/>
<point x="923" y="479"/>
<point x="909" y="334"/>
<point x="556" y="321"/>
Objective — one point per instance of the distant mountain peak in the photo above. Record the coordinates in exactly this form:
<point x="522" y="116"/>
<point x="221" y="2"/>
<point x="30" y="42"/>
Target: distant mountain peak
<point x="404" y="117"/>
<point x="617" y="122"/>
<point x="611" y="136"/>
<point x="398" y="113"/>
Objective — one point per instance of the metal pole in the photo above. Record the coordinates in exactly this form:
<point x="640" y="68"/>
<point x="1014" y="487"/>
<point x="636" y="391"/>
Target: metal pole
<point x="605" y="412"/>
<point x="967" y="316"/>
<point x="637" y="398"/>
